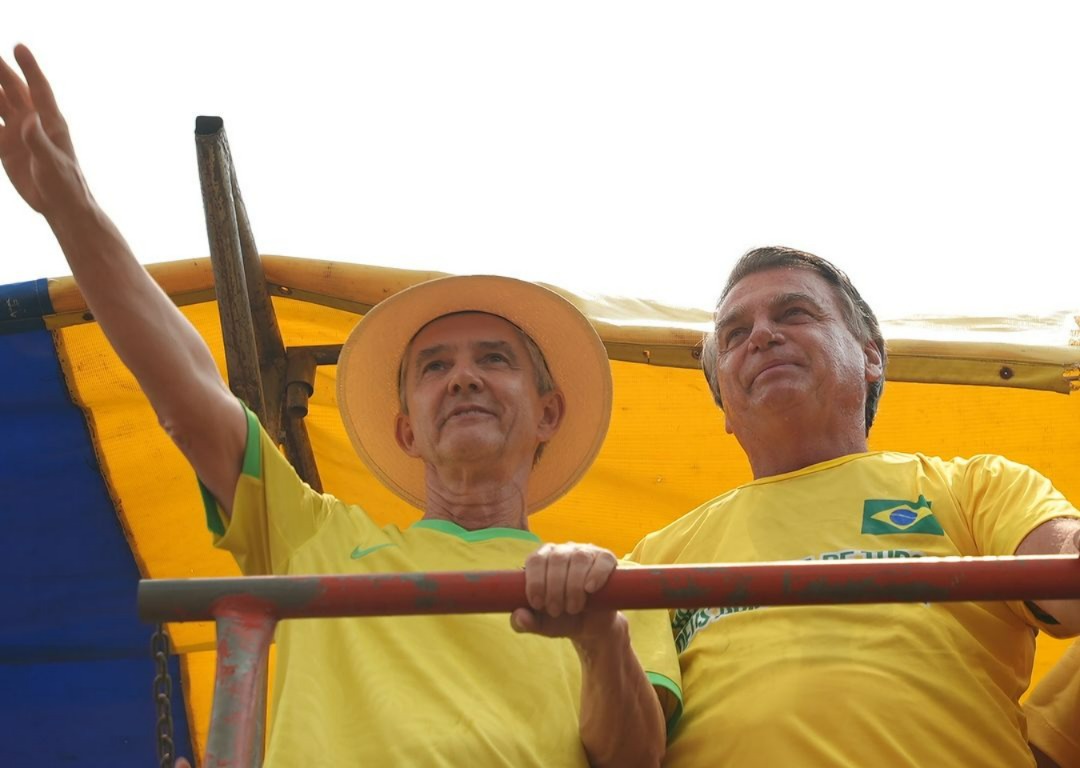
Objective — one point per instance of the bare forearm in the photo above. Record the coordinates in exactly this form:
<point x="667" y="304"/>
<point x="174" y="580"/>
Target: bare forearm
<point x="168" y="358"/>
<point x="622" y="723"/>
<point x="153" y="339"/>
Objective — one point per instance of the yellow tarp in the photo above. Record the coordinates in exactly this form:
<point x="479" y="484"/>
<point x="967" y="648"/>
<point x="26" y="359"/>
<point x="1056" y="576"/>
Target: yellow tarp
<point x="665" y="454"/>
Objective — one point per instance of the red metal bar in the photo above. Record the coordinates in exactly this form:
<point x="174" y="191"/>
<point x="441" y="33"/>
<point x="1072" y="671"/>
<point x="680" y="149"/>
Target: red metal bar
<point x="247" y="609"/>
<point x="789" y="583"/>
<point x="245" y="626"/>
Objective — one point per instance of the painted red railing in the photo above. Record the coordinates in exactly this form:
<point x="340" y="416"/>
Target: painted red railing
<point x="246" y="610"/>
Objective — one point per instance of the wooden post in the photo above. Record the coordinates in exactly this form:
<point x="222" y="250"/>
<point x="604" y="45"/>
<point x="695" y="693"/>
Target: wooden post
<point x="255" y="355"/>
<point x="271" y="350"/>
<point x="299" y="386"/>
<point x="230" y="284"/>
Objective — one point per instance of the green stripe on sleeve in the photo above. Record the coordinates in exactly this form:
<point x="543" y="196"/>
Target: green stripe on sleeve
<point x="252" y="467"/>
<point x="666" y="683"/>
<point x="213" y="512"/>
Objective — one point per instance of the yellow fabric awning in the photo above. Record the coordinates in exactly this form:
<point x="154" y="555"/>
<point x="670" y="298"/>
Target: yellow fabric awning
<point x="666" y="451"/>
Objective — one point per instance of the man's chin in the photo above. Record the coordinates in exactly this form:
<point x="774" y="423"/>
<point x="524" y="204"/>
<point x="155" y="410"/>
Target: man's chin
<point x="464" y="447"/>
<point x="779" y="395"/>
<point x="775" y="374"/>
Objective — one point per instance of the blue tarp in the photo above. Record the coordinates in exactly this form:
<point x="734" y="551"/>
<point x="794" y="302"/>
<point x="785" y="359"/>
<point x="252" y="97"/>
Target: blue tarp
<point x="75" y="665"/>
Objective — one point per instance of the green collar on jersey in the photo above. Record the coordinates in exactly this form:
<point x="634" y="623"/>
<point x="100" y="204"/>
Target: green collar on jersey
<point x="484" y="534"/>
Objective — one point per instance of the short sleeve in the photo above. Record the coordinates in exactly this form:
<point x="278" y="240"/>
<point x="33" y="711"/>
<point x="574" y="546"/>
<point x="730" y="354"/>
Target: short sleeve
<point x="273" y="512"/>
<point x="1003" y="502"/>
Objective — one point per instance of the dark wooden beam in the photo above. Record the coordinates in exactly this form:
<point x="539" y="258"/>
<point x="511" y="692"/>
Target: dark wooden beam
<point x="271" y="350"/>
<point x="255" y="356"/>
<point x="299" y="386"/>
<point x="322" y="354"/>
<point x="230" y="284"/>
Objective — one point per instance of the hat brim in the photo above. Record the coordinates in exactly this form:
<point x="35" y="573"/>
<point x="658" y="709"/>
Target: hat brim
<point x="370" y="360"/>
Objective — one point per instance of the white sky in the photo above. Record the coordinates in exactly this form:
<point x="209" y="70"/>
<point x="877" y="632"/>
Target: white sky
<point x="928" y="148"/>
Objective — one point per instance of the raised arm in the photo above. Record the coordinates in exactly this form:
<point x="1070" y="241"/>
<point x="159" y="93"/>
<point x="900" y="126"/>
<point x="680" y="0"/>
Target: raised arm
<point x="622" y="722"/>
<point x="167" y="356"/>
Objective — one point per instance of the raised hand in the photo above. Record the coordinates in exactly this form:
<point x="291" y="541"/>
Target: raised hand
<point x="558" y="581"/>
<point x="35" y="146"/>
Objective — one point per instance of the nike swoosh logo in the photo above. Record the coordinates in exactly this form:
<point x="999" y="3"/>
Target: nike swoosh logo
<point x="359" y="552"/>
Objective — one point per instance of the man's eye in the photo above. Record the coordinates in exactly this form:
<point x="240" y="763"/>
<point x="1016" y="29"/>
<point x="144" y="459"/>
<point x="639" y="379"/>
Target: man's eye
<point x="734" y="336"/>
<point x="494" y="357"/>
<point x="432" y="366"/>
<point x="796" y="312"/>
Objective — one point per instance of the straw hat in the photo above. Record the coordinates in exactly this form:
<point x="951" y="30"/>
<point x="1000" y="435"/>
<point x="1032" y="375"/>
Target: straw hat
<point x="370" y="360"/>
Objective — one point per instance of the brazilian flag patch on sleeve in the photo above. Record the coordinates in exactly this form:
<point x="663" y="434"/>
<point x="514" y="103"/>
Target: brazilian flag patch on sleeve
<point x="885" y="516"/>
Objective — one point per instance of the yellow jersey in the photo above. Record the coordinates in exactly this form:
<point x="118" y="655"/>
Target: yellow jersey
<point x="460" y="690"/>
<point x="885" y="684"/>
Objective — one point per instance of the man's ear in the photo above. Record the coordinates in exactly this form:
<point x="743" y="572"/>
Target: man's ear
<point x="404" y="434"/>
<point x="874" y="368"/>
<point x="551" y="415"/>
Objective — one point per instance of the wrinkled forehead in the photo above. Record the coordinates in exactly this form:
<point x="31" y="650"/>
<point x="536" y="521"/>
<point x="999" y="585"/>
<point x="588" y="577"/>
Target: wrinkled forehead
<point x="774" y="286"/>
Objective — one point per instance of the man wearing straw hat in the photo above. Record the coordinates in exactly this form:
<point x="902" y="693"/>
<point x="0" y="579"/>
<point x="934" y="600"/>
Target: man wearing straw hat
<point x="480" y="400"/>
<point x="796" y="361"/>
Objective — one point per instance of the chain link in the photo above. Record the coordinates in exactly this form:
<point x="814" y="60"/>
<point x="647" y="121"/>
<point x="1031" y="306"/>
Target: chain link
<point x="159" y="647"/>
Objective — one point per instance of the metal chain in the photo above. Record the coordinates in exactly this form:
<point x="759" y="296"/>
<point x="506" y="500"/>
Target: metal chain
<point x="159" y="647"/>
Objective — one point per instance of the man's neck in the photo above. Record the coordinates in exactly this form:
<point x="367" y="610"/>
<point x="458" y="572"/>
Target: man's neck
<point x="476" y="502"/>
<point x="789" y="448"/>
<point x="790" y="461"/>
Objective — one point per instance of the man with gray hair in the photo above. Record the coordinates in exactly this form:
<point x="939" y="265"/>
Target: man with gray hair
<point x="796" y="361"/>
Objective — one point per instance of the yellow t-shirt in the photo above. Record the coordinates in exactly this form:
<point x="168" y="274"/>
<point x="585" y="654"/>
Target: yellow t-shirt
<point x="888" y="684"/>
<point x="1053" y="711"/>
<point x="462" y="690"/>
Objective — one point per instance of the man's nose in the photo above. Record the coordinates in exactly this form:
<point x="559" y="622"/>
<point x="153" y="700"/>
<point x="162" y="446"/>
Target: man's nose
<point x="764" y="335"/>
<point x="465" y="377"/>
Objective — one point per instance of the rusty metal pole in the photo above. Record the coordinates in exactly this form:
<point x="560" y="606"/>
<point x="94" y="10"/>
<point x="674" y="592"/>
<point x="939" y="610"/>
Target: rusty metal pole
<point x="247" y="609"/>
<point x="245" y="627"/>
<point x="791" y="583"/>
